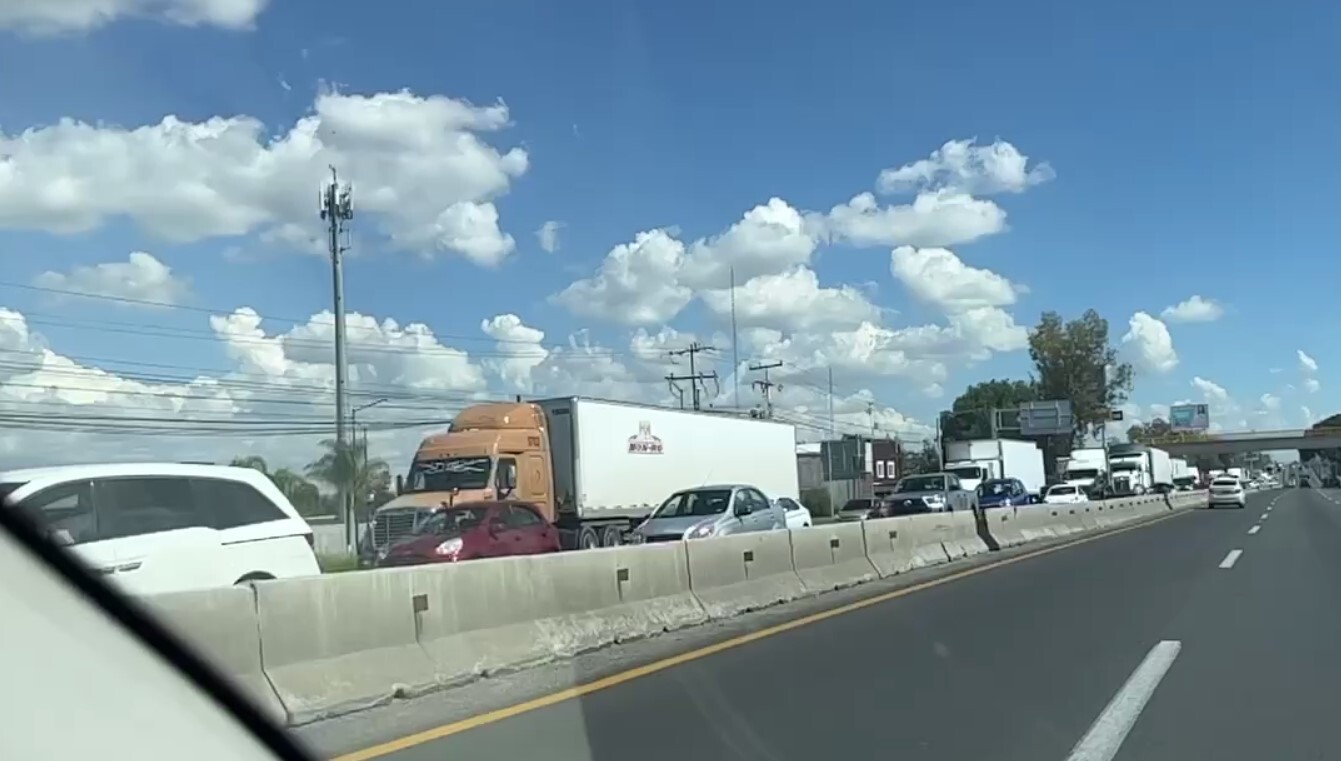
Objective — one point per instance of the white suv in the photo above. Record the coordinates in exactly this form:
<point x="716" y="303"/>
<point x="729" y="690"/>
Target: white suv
<point x="153" y="527"/>
<point x="1227" y="490"/>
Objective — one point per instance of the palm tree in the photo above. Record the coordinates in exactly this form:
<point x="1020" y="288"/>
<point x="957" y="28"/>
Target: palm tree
<point x="251" y="461"/>
<point x="301" y="492"/>
<point x="348" y="467"/>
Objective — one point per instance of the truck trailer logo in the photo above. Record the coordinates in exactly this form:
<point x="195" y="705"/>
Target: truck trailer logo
<point x="644" y="442"/>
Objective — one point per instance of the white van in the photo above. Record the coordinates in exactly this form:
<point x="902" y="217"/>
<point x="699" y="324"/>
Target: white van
<point x="155" y="527"/>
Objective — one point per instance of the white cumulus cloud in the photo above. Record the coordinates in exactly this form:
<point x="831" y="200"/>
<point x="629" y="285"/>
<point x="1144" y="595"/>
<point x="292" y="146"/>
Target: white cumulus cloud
<point x="548" y="235"/>
<point x="937" y="276"/>
<point x="1307" y="364"/>
<point x="1312" y="385"/>
<point x="1194" y="309"/>
<point x="940" y="218"/>
<point x="1148" y="344"/>
<point x="1212" y="391"/>
<point x="965" y="166"/>
<point x="57" y="16"/>
<point x="418" y="165"/>
<point x="792" y="300"/>
<point x="141" y="278"/>
<point x="637" y="284"/>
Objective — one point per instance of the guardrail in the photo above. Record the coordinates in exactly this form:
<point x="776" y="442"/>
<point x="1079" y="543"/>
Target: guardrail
<point x="315" y="647"/>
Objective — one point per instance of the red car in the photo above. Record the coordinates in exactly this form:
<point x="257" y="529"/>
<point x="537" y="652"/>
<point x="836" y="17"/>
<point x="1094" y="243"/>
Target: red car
<point x="475" y="530"/>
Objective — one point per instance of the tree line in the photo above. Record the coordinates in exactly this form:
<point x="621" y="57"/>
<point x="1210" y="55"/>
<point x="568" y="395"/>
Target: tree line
<point x="367" y="479"/>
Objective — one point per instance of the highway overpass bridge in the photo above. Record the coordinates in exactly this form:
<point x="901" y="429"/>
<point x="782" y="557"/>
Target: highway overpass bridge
<point x="1193" y="444"/>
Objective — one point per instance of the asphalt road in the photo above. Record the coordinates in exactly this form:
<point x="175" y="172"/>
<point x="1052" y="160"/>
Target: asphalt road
<point x="1144" y="644"/>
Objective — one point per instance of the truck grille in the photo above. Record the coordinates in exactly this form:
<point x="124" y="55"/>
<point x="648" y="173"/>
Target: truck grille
<point x="390" y="527"/>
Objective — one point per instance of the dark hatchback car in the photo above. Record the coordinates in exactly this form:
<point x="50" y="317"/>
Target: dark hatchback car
<point x="473" y="530"/>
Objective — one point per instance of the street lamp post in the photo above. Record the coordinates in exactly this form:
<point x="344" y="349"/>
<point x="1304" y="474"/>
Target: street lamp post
<point x="351" y="534"/>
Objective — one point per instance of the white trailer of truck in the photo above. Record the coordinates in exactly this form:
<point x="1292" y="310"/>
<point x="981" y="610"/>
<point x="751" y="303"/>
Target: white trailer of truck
<point x="1184" y="476"/>
<point x="617" y="459"/>
<point x="1138" y="469"/>
<point x="985" y="459"/>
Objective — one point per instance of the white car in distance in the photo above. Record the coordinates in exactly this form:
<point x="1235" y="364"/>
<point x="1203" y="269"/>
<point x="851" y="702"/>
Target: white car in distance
<point x="150" y="528"/>
<point x="798" y="515"/>
<point x="1227" y="490"/>
<point x="1064" y="494"/>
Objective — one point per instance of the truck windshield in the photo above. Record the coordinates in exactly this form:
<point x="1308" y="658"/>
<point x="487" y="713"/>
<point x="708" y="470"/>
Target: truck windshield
<point x="1083" y="473"/>
<point x="1126" y="465"/>
<point x="968" y="471"/>
<point x="449" y="473"/>
<point x="921" y="483"/>
<point x="694" y="503"/>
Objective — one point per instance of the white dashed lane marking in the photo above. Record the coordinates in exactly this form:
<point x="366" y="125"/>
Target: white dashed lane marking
<point x="1108" y="731"/>
<point x="1231" y="559"/>
<point x="1254" y="529"/>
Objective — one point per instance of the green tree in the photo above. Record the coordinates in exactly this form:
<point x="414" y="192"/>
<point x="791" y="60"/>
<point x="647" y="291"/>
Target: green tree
<point x="970" y="415"/>
<point x="251" y="461"/>
<point x="1144" y="433"/>
<point x="924" y="460"/>
<point x="1070" y="359"/>
<point x="350" y="468"/>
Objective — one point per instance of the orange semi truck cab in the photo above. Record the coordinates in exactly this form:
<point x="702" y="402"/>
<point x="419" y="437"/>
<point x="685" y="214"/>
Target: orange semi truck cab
<point x="492" y="451"/>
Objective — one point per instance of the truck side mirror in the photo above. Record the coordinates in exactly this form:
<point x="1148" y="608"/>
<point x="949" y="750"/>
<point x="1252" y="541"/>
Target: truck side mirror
<point x="400" y="484"/>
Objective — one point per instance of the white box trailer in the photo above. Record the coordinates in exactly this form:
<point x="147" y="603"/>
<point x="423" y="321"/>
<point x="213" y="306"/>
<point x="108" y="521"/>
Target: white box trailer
<point x="1161" y="469"/>
<point x="985" y="459"/>
<point x="615" y="459"/>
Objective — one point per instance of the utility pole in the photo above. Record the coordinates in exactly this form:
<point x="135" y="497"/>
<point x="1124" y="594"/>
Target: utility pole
<point x="735" y="344"/>
<point x="870" y="413"/>
<point x="694" y="377"/>
<point x="766" y="386"/>
<point x="337" y="208"/>
<point x="833" y="428"/>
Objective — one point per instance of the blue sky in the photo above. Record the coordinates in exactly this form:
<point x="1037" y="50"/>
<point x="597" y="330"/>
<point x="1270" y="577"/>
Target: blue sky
<point x="1187" y="145"/>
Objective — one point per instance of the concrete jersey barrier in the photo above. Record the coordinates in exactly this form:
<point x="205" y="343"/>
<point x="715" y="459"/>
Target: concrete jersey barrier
<point x="733" y="574"/>
<point x="315" y="647"/>
<point x="487" y="616"/>
<point x="890" y="545"/>
<point x="1003" y="526"/>
<point x="222" y="625"/>
<point x="338" y="643"/>
<point x="831" y="557"/>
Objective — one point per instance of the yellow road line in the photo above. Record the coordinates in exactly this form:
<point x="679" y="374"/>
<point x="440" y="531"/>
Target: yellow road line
<point x="507" y="712"/>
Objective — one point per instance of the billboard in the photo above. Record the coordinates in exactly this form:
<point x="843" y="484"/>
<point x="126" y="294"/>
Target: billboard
<point x="1189" y="417"/>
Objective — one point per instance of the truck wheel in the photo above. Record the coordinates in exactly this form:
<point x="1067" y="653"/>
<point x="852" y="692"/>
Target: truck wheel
<point x="588" y="539"/>
<point x="612" y="536"/>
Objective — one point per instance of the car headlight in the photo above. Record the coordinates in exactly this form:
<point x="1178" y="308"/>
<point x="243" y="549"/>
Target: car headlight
<point x="449" y="548"/>
<point x="701" y="531"/>
<point x="935" y="499"/>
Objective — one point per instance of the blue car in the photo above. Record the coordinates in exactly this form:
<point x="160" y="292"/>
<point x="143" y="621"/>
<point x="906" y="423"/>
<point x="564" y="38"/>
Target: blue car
<point x="1003" y="492"/>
